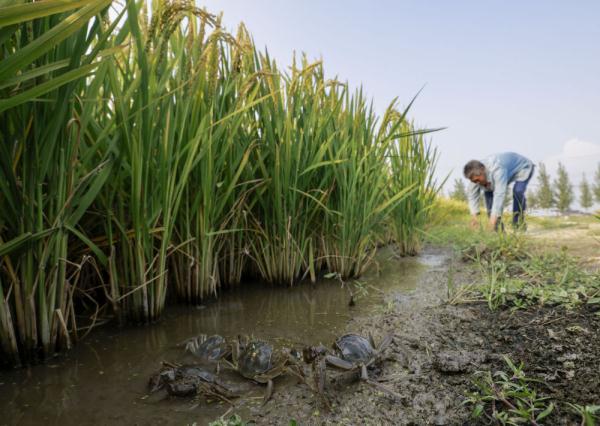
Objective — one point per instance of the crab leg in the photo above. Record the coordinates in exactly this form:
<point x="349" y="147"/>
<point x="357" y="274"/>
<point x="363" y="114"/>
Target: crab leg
<point x="338" y="362"/>
<point x="385" y="343"/>
<point x="383" y="388"/>
<point x="363" y="372"/>
<point x="320" y="373"/>
<point x="268" y="392"/>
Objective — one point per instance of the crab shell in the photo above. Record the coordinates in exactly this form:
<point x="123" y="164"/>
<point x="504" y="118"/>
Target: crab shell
<point x="159" y="380"/>
<point x="260" y="362"/>
<point x="180" y="381"/>
<point x="354" y="348"/>
<point x="212" y="348"/>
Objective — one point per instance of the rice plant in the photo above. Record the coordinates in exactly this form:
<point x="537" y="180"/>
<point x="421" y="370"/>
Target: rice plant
<point x="46" y="49"/>
<point x="173" y="158"/>
<point x="175" y="112"/>
<point x="210" y="226"/>
<point x="364" y="197"/>
<point x="412" y="162"/>
<point x="295" y="130"/>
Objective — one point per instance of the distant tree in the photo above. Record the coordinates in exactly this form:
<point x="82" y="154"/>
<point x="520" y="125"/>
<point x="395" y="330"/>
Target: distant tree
<point x="544" y="196"/>
<point x="459" y="192"/>
<point x="596" y="185"/>
<point x="531" y="198"/>
<point x="585" y="194"/>
<point x="564" y="189"/>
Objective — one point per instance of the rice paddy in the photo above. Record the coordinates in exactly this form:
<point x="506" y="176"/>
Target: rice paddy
<point x="164" y="181"/>
<point x="152" y="156"/>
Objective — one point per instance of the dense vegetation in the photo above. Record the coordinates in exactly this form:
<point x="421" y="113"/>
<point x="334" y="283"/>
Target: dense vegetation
<point x="155" y="154"/>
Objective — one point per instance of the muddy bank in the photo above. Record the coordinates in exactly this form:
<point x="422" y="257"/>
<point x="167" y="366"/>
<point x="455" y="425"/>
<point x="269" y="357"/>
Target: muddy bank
<point x="436" y="349"/>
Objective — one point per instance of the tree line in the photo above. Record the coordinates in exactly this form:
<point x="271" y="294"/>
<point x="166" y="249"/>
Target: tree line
<point x="557" y="193"/>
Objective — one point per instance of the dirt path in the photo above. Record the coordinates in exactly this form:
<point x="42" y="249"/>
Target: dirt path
<point x="579" y="234"/>
<point x="435" y="350"/>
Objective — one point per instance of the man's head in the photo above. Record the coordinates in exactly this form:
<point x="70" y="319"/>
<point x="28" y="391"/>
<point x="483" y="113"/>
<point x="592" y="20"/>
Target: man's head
<point x="475" y="171"/>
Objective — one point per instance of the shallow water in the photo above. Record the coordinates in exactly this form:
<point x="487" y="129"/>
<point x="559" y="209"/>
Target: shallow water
<point x="103" y="379"/>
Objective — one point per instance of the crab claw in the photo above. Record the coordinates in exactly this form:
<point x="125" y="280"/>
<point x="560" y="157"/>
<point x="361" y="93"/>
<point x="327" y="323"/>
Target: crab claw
<point x="309" y="353"/>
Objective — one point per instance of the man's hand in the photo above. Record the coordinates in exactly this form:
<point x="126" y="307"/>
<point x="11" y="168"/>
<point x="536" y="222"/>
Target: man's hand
<point x="474" y="221"/>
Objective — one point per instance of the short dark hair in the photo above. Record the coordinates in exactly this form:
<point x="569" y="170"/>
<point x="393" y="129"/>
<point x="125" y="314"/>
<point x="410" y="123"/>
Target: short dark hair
<point x="473" y="168"/>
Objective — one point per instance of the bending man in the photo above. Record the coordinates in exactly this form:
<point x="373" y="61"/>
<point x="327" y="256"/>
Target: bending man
<point x="492" y="177"/>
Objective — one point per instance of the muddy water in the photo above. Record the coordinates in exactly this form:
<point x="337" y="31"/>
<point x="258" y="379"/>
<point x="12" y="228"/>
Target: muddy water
<point x="103" y="380"/>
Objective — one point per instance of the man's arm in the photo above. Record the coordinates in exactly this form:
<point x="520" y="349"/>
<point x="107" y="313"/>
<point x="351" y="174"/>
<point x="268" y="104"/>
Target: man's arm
<point x="473" y="195"/>
<point x="500" y="188"/>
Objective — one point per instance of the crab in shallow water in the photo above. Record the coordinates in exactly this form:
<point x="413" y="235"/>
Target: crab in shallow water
<point x="213" y="348"/>
<point x="261" y="362"/>
<point x="189" y="380"/>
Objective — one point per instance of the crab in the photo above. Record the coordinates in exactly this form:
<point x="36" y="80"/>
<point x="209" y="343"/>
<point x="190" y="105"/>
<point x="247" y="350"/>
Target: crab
<point x="260" y="361"/>
<point x="213" y="348"/>
<point x="316" y="355"/>
<point x="189" y="380"/>
<point x="352" y="353"/>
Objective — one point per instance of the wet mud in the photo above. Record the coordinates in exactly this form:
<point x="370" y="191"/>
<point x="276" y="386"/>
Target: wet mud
<point x="435" y="351"/>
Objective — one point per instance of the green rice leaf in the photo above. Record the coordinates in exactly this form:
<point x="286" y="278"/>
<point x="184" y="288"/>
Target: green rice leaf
<point x="18" y="13"/>
<point x="41" y="89"/>
<point x="17" y="242"/>
<point x="47" y="41"/>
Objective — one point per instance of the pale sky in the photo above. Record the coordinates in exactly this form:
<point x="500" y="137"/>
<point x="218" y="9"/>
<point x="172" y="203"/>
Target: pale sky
<point x="518" y="76"/>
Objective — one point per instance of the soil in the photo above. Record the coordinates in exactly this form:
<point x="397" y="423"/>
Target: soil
<point x="436" y="348"/>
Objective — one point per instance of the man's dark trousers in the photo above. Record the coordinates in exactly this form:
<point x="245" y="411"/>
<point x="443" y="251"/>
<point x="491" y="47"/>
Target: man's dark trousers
<point x="519" y="200"/>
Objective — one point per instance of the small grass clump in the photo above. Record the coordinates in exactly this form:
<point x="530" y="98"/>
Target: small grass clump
<point x="589" y="414"/>
<point x="516" y="276"/>
<point x="512" y="398"/>
<point x="233" y="420"/>
<point x="508" y="398"/>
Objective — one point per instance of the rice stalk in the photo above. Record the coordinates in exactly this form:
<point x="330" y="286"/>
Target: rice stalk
<point x="412" y="162"/>
<point x="45" y="186"/>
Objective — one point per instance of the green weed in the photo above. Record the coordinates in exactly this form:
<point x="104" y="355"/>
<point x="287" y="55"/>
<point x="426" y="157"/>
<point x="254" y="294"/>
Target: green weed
<point x="514" y="275"/>
<point x="233" y="420"/>
<point x="589" y="414"/>
<point x="508" y="397"/>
